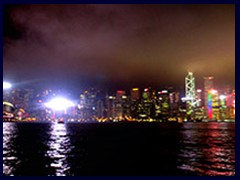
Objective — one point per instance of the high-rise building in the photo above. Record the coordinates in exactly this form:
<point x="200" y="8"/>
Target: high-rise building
<point x="190" y="88"/>
<point x="230" y="104"/>
<point x="88" y="100"/>
<point x="208" y="85"/>
<point x="135" y="97"/>
<point x="122" y="105"/>
<point x="190" y="95"/>
<point x="110" y="106"/>
<point x="135" y="94"/>
<point x="174" y="103"/>
<point x="222" y="106"/>
<point x="199" y="97"/>
<point x="100" y="108"/>
<point x="213" y="104"/>
<point x="146" y="102"/>
<point x="119" y="94"/>
<point x="164" y="98"/>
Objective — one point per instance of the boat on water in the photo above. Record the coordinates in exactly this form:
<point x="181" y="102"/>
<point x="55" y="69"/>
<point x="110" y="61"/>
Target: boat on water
<point x="59" y="121"/>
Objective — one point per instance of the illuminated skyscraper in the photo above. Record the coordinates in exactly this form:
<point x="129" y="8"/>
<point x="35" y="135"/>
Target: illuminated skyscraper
<point x="110" y="105"/>
<point x="146" y="95"/>
<point x="230" y="103"/>
<point x="134" y="101"/>
<point x="165" y="104"/>
<point x="100" y="108"/>
<point x="119" y="103"/>
<point x="190" y="88"/>
<point x="199" y="97"/>
<point x="222" y="106"/>
<point x="213" y="104"/>
<point x="190" y="94"/>
<point x="174" y="103"/>
<point x="208" y="85"/>
<point x="135" y="94"/>
<point x="146" y="101"/>
<point x="119" y="94"/>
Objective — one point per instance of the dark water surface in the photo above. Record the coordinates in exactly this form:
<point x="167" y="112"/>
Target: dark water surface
<point x="118" y="149"/>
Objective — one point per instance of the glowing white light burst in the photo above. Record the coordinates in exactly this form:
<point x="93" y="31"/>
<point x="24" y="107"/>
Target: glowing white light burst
<point x="59" y="104"/>
<point x="6" y="85"/>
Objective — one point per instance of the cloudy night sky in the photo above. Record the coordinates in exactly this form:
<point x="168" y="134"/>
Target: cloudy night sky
<point x="118" y="46"/>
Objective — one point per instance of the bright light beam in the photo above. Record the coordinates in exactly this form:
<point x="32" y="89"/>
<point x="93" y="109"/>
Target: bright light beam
<point x="6" y="85"/>
<point x="59" y="104"/>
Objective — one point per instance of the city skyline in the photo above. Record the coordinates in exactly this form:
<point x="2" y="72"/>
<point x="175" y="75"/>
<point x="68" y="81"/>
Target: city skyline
<point x="92" y="105"/>
<point x="118" y="46"/>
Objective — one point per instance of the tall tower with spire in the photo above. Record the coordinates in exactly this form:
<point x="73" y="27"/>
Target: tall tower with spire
<point x="190" y="92"/>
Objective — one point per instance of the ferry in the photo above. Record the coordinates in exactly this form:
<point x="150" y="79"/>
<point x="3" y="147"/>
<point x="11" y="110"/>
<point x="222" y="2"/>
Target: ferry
<point x="61" y="121"/>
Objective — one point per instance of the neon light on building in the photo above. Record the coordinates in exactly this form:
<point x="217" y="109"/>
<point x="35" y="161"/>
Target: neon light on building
<point x="208" y="85"/>
<point x="209" y="105"/>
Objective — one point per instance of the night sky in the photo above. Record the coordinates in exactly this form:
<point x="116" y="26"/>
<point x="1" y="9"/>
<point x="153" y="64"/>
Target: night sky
<point x="118" y="46"/>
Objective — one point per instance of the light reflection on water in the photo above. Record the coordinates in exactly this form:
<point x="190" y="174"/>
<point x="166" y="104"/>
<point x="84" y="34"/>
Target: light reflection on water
<point x="85" y="149"/>
<point x="207" y="149"/>
<point x="9" y="155"/>
<point x="59" y="148"/>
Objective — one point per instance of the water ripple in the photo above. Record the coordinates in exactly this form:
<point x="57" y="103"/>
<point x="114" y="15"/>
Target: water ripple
<point x="207" y="152"/>
<point x="9" y="155"/>
<point x="59" y="149"/>
<point x="93" y="149"/>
